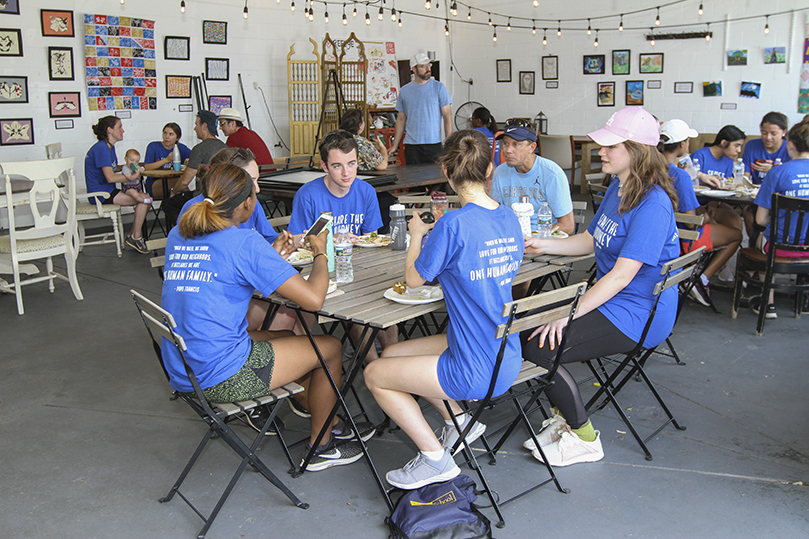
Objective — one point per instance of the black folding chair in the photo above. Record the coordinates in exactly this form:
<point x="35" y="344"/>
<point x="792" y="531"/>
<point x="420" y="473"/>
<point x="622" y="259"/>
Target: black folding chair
<point x="554" y="305"/>
<point x="161" y="325"/>
<point x="634" y="361"/>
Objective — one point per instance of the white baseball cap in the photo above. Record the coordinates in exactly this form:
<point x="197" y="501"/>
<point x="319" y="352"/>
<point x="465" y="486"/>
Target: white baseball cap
<point x="419" y="59"/>
<point x="675" y="131"/>
<point x="230" y="114"/>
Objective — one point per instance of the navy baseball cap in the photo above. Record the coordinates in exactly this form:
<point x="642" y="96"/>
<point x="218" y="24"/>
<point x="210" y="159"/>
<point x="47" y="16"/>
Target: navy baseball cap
<point x="518" y="133"/>
<point x="209" y="118"/>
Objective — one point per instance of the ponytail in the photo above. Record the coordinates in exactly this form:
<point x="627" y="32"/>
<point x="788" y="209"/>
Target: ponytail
<point x="227" y="187"/>
<point x="466" y="157"/>
<point x="483" y="114"/>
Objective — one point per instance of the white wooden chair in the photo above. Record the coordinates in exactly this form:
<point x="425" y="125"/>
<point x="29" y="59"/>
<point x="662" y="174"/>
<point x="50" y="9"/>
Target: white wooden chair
<point x="47" y="238"/>
<point x="54" y="150"/>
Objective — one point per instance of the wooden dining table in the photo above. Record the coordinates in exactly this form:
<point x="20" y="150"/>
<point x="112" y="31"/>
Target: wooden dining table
<point x="362" y="302"/>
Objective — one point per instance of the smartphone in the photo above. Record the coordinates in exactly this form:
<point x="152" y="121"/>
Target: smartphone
<point x="321" y="223"/>
<point x="760" y="161"/>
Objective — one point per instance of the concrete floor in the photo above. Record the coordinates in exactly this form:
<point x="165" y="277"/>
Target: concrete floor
<point x="90" y="439"/>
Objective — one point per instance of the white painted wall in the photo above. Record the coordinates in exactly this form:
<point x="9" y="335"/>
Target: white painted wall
<point x="257" y="48"/>
<point x="572" y="109"/>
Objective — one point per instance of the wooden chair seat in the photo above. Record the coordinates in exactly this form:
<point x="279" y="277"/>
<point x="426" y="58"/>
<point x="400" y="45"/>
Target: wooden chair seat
<point x="232" y="408"/>
<point x="529" y="371"/>
<point x="756" y="256"/>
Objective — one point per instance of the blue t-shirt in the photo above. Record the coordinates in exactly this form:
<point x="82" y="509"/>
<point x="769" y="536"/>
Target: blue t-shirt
<point x="710" y="165"/>
<point x="545" y="182"/>
<point x="258" y="221"/>
<point x="647" y="234"/>
<point x="790" y="179"/>
<point x="489" y="135"/>
<point x="422" y="104"/>
<point x="99" y="155"/>
<point x="155" y="151"/>
<point x="209" y="281"/>
<point x="687" y="199"/>
<point x="475" y="253"/>
<point x="357" y="212"/>
<point x="754" y="149"/>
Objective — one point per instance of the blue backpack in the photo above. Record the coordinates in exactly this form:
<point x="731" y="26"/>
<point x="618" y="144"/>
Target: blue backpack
<point x="439" y="511"/>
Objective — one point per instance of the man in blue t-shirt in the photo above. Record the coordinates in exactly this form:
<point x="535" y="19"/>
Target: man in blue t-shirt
<point x="525" y="173"/>
<point x="423" y="105"/>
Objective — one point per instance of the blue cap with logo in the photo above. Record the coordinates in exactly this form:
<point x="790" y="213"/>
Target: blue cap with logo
<point x="518" y="133"/>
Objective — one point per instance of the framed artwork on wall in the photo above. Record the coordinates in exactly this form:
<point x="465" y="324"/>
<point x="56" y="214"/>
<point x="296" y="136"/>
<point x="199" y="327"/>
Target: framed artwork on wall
<point x="683" y="87"/>
<point x="503" y="70"/>
<point x="217" y="69"/>
<point x="775" y="55"/>
<point x="56" y="23"/>
<point x="634" y="92"/>
<point x="527" y="82"/>
<point x="13" y="89"/>
<point x="550" y="68"/>
<point x="60" y="63"/>
<point x="10" y="7"/>
<point x="16" y="131"/>
<point x="651" y="62"/>
<point x="218" y="102"/>
<point x="594" y="64"/>
<point x="606" y="94"/>
<point x="621" y="62"/>
<point x="177" y="48"/>
<point x="215" y="32"/>
<point x="10" y="42"/>
<point x="178" y="87"/>
<point x="64" y="104"/>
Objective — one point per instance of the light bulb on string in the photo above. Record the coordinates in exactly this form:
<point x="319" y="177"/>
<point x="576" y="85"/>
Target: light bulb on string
<point x="595" y="43"/>
<point x="708" y="33"/>
<point x="509" y="25"/>
<point x="446" y="27"/>
<point x="469" y="15"/>
<point x="621" y="24"/>
<point x="494" y="35"/>
<point x="326" y="15"/>
<point x="244" y="12"/>
<point x="311" y="14"/>
<point x="400" y="20"/>
<point x="122" y="2"/>
<point x="345" y="19"/>
<point x="427" y="5"/>
<point x="652" y="42"/>
<point x="589" y="29"/>
<point x="454" y="9"/>
<point x="381" y="14"/>
<point x="657" y="20"/>
<point x="536" y="3"/>
<point x="767" y="25"/>
<point x="559" y="29"/>
<point x="700" y="11"/>
<point x="545" y="36"/>
<point x="292" y="6"/>
<point x="533" y="27"/>
<point x="355" y="11"/>
<point x="182" y="6"/>
<point x="393" y="15"/>
<point x="367" y="17"/>
<point x="490" y="19"/>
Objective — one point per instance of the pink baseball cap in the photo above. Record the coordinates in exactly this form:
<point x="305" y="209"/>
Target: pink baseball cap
<point x="631" y="123"/>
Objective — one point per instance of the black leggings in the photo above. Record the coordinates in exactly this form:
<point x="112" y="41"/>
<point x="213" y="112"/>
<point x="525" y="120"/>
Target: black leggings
<point x="589" y="337"/>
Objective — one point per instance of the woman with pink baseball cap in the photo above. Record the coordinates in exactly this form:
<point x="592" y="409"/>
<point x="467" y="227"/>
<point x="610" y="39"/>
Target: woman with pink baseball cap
<point x="632" y="235"/>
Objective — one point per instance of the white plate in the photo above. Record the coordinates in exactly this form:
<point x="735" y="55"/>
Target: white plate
<point x="558" y="235"/>
<point x="372" y="245"/>
<point x="410" y="299"/>
<point x="299" y="259"/>
<point x="717" y="193"/>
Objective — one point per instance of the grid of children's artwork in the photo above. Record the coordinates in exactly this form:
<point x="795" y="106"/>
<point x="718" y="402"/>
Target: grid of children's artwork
<point x="120" y="62"/>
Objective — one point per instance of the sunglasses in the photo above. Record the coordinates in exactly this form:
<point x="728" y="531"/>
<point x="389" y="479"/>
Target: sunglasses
<point x="519" y="122"/>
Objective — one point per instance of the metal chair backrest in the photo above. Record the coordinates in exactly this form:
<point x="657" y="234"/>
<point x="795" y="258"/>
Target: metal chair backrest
<point x="579" y="206"/>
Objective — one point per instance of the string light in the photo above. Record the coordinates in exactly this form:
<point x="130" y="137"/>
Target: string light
<point x="393" y="15"/>
<point x="446" y="27"/>
<point x="559" y="29"/>
<point x="490" y="19"/>
<point x="469" y="15"/>
<point x="454" y="9"/>
<point x="427" y="5"/>
<point x="708" y="34"/>
<point x="326" y="15"/>
<point x="245" y="8"/>
<point x="657" y="20"/>
<point x="367" y="17"/>
<point x="767" y="25"/>
<point x="621" y="24"/>
<point x="700" y="11"/>
<point x="533" y="27"/>
<point x="545" y="36"/>
<point x="509" y="25"/>
<point x="494" y="35"/>
<point x="595" y="43"/>
<point x="345" y="19"/>
<point x="536" y="3"/>
<point x="182" y="6"/>
<point x="122" y="2"/>
<point x="651" y="30"/>
<point x="292" y="6"/>
<point x="311" y="13"/>
<point x="381" y="14"/>
<point x="400" y="20"/>
<point x="355" y="11"/>
<point x="589" y="29"/>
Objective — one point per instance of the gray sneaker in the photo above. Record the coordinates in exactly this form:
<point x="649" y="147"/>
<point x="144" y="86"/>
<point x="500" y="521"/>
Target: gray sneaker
<point x="449" y="435"/>
<point x="138" y="244"/>
<point x="423" y="471"/>
<point x="343" y="431"/>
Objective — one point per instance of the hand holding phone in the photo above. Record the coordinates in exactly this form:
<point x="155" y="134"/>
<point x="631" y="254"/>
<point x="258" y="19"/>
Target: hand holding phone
<point x="321" y="223"/>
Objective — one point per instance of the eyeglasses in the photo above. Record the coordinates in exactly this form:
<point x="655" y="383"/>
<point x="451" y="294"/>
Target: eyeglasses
<point x="223" y="123"/>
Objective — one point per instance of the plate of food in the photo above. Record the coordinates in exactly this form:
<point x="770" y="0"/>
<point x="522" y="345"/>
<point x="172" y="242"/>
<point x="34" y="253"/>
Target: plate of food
<point x="401" y="293"/>
<point x="718" y="193"/>
<point x="700" y="188"/>
<point x="559" y="234"/>
<point x="301" y="257"/>
<point x="374" y="240"/>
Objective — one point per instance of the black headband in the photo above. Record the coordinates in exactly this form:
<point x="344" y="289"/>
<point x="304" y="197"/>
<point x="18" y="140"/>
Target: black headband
<point x="234" y="202"/>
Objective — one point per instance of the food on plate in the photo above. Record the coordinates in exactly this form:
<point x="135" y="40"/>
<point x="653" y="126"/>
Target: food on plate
<point x="374" y="239"/>
<point x="399" y="287"/>
<point x="301" y="255"/>
<point x="700" y="187"/>
<point x="558" y="234"/>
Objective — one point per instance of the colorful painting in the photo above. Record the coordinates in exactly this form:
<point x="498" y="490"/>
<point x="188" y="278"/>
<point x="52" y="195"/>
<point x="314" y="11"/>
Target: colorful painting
<point x="775" y="55"/>
<point x="803" y="95"/>
<point x="750" y="89"/>
<point x="64" y="104"/>
<point x="594" y="64"/>
<point x="10" y="7"/>
<point x="606" y="94"/>
<point x="16" y="132"/>
<point x="177" y="48"/>
<point x="382" y="85"/>
<point x="120" y="67"/>
<point x="651" y="62"/>
<point x="13" y="89"/>
<point x="218" y="102"/>
<point x="621" y="62"/>
<point x="178" y="87"/>
<point x="634" y="92"/>
<point x="215" y="32"/>
<point x="57" y="23"/>
<point x="60" y="63"/>
<point x="10" y="42"/>
<point x="737" y="57"/>
<point x="712" y="89"/>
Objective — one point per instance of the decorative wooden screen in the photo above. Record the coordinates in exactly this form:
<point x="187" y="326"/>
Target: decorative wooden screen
<point x="347" y="59"/>
<point x="304" y="102"/>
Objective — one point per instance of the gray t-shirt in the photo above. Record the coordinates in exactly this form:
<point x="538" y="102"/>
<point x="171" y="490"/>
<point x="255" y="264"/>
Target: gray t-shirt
<point x="201" y="153"/>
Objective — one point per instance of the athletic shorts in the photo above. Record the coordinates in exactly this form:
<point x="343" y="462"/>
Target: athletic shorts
<point x="251" y="381"/>
<point x="109" y="199"/>
<point x="765" y="248"/>
<point x="703" y="240"/>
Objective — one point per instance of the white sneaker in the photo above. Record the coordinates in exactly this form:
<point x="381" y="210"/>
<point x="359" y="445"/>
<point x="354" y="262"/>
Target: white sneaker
<point x="726" y="274"/>
<point x="449" y="435"/>
<point x="570" y="449"/>
<point x="551" y="432"/>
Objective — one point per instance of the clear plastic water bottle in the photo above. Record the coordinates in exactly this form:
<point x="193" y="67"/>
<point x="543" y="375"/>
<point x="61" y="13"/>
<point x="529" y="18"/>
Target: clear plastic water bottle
<point x="330" y="242"/>
<point x="738" y="172"/>
<point x="343" y="251"/>
<point x="398" y="227"/>
<point x="544" y="218"/>
<point x="695" y="179"/>
<point x="524" y="211"/>
<point x="176" y="158"/>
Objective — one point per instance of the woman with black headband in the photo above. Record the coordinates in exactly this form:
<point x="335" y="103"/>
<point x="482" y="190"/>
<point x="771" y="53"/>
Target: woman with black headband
<point x="212" y="268"/>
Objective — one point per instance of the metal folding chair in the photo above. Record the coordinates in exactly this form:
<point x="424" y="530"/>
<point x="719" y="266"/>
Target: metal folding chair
<point x="161" y="325"/>
<point x="553" y="305"/>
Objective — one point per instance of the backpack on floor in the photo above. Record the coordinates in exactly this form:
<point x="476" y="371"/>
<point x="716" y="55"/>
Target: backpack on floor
<point x="439" y="511"/>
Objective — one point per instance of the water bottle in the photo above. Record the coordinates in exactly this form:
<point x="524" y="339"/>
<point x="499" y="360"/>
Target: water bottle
<point x="343" y="250"/>
<point x="544" y="218"/>
<point x="176" y="158"/>
<point x="330" y="242"/>
<point x="398" y="228"/>
<point x="524" y="211"/>
<point x="696" y="173"/>
<point x="738" y="172"/>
